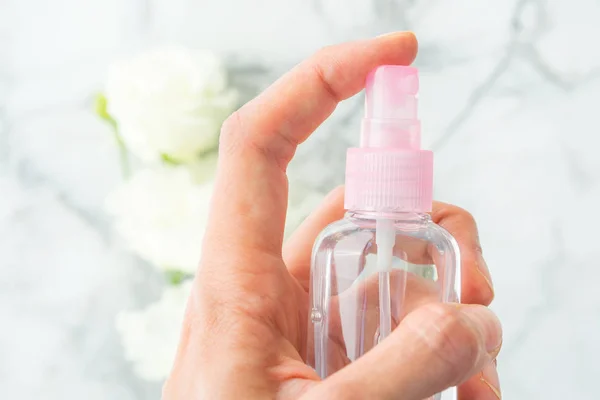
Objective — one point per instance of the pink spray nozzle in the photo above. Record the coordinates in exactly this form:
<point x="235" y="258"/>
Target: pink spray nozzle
<point x="391" y="108"/>
<point x="390" y="92"/>
<point x="390" y="172"/>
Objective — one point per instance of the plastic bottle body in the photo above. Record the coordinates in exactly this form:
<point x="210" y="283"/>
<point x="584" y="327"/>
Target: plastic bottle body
<point x="354" y="303"/>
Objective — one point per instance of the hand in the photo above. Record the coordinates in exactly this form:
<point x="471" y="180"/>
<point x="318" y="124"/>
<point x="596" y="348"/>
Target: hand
<point x="245" y="323"/>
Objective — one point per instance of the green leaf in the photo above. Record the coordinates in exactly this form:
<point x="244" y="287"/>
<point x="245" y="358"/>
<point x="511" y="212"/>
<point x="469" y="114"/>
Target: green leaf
<point x="101" y="108"/>
<point x="167" y="159"/>
<point x="175" y="277"/>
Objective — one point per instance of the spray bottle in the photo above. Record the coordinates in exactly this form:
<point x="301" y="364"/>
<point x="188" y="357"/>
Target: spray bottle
<point x="386" y="257"/>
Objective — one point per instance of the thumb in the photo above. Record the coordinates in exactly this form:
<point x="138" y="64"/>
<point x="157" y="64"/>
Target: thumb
<point x="435" y="347"/>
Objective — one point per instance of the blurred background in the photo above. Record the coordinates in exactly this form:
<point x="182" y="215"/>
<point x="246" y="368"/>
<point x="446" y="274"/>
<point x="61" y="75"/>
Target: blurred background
<point x="509" y="104"/>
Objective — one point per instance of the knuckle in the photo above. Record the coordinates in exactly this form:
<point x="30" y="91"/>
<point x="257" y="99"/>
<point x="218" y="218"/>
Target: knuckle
<point x="324" y="52"/>
<point x="463" y="214"/>
<point x="231" y="130"/>
<point x="325" y="66"/>
<point x="231" y="123"/>
<point x="468" y="217"/>
<point x="452" y="340"/>
<point x="239" y="137"/>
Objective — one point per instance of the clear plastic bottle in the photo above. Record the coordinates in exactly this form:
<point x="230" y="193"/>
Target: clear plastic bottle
<point x="386" y="257"/>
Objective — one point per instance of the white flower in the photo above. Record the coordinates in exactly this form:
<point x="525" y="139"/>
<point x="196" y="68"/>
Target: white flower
<point x="150" y="336"/>
<point x="162" y="214"/>
<point x="169" y="101"/>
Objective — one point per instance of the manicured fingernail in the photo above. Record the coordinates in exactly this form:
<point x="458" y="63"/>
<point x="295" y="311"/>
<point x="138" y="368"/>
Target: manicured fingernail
<point x="396" y="33"/>
<point x="483" y="269"/>
<point x="489" y="377"/>
<point x="487" y="321"/>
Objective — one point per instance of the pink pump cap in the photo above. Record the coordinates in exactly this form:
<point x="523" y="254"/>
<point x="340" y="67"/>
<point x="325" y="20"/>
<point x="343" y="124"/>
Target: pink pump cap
<point x="390" y="172"/>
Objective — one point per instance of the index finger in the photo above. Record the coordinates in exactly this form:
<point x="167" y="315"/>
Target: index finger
<point x="259" y="140"/>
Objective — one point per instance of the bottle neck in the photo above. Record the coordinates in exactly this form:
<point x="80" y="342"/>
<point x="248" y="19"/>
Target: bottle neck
<point x="396" y="216"/>
<point x="391" y="134"/>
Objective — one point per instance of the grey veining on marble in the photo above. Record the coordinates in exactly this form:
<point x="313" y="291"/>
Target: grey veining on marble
<point x="509" y="100"/>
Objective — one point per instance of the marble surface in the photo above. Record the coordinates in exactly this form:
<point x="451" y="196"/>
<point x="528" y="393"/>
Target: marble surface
<point x="509" y="104"/>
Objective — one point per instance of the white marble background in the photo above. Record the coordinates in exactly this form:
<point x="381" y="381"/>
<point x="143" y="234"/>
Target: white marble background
<point x="510" y="97"/>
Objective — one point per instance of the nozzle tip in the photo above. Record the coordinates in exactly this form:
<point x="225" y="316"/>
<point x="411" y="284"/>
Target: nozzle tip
<point x="391" y="92"/>
<point x="401" y="79"/>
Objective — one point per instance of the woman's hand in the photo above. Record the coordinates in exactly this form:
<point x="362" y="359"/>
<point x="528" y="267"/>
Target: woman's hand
<point x="245" y="322"/>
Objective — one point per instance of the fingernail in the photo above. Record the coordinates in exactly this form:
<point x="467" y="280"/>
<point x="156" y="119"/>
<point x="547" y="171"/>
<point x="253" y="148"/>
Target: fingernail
<point x="489" y="377"/>
<point x="396" y="33"/>
<point x="489" y="323"/>
<point x="483" y="269"/>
